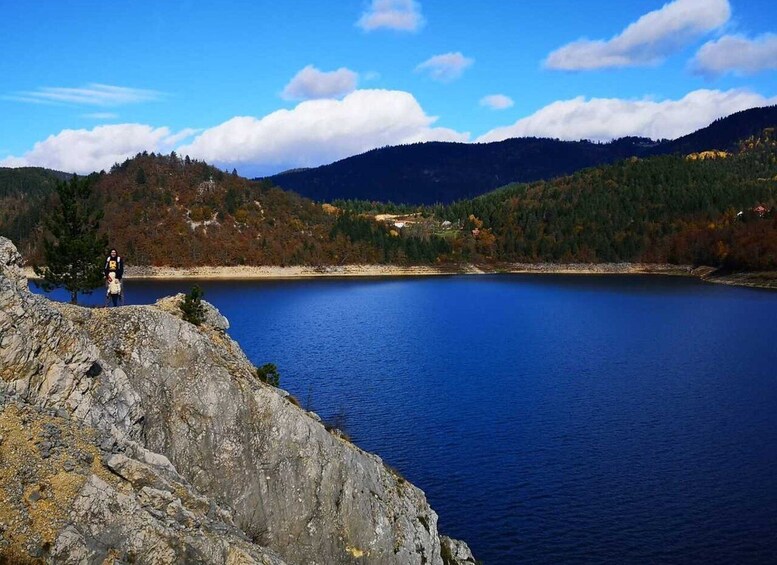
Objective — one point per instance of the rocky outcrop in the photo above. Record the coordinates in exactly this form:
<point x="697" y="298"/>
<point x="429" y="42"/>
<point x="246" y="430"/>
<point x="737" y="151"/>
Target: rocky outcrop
<point x="174" y="451"/>
<point x="67" y="501"/>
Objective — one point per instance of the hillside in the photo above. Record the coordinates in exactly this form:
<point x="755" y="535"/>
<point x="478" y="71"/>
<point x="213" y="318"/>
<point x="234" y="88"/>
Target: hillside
<point x="708" y="208"/>
<point x="425" y="173"/>
<point x="165" y="211"/>
<point x="22" y="193"/>
<point x="723" y="134"/>
<point x="711" y="208"/>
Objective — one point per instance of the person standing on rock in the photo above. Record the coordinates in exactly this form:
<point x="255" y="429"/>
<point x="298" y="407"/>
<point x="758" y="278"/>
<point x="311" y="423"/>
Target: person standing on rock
<point x="114" y="271"/>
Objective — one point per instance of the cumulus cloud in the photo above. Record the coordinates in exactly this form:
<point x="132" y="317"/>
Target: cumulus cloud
<point x="737" y="54"/>
<point x="446" y="67"/>
<point x="401" y="15"/>
<point x="311" y="83"/>
<point x="84" y="151"/>
<point x="93" y="94"/>
<point x="497" y="101"/>
<point x="316" y="132"/>
<point x="609" y="118"/>
<point x="646" y="41"/>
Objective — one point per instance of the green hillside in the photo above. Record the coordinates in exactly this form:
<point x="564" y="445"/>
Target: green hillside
<point x="677" y="209"/>
<point x="711" y="208"/>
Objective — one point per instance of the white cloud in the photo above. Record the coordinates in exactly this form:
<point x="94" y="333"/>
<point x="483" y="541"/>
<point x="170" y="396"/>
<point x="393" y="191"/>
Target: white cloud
<point x="737" y="54"/>
<point x="609" y="118"/>
<point x="90" y="95"/>
<point x="84" y="151"/>
<point x="401" y="15"/>
<point x="316" y="132"/>
<point x="497" y="101"/>
<point x="646" y="41"/>
<point x="446" y="67"/>
<point x="176" y="138"/>
<point x="311" y="83"/>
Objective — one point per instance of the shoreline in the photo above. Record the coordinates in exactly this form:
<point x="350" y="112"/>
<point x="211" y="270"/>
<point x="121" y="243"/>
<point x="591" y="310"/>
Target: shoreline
<point x="270" y="272"/>
<point x="267" y="272"/>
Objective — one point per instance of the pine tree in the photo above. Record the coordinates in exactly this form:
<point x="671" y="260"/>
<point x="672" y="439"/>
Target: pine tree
<point x="192" y="308"/>
<point x="74" y="256"/>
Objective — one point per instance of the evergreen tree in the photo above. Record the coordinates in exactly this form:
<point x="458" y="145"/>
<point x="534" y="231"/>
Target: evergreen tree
<point x="268" y="373"/>
<point x="192" y="308"/>
<point x="74" y="256"/>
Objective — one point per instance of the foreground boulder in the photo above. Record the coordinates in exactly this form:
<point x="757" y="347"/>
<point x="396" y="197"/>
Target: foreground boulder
<point x="132" y="434"/>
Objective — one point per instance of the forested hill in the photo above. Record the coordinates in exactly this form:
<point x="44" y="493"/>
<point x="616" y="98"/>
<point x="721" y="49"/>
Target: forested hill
<point x="713" y="208"/>
<point x="21" y="191"/>
<point x="165" y="210"/>
<point x="426" y="173"/>
<point x="723" y="134"/>
<point x="710" y="208"/>
<point x="442" y="172"/>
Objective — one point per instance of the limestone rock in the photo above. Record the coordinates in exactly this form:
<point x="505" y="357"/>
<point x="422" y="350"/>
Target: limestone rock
<point x="70" y="508"/>
<point x="213" y="318"/>
<point x="182" y="451"/>
<point x="455" y="552"/>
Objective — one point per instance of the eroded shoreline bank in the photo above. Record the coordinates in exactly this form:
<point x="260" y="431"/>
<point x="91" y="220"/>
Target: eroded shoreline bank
<point x="266" y="272"/>
<point x="296" y="272"/>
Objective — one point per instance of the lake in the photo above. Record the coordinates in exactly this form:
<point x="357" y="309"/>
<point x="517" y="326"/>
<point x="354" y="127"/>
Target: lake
<point x="619" y="419"/>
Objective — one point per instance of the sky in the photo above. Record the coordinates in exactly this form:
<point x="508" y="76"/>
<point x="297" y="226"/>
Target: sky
<point x="264" y="86"/>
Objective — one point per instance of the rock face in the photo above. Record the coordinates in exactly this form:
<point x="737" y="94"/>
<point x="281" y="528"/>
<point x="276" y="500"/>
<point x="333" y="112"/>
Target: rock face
<point x="168" y="449"/>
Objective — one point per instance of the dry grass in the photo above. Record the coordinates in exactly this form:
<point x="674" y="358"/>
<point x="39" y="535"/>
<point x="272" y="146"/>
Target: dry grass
<point x="37" y="493"/>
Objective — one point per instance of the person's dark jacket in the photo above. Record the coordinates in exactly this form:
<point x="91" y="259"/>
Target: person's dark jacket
<point x="115" y="264"/>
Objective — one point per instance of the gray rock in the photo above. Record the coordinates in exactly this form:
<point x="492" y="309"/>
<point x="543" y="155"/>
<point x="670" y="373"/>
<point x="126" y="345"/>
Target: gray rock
<point x="455" y="551"/>
<point x="213" y="318"/>
<point x="107" y="444"/>
<point x="177" y="409"/>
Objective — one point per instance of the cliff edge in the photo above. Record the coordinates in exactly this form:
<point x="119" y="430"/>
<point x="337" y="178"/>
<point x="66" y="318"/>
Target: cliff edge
<point x="130" y="435"/>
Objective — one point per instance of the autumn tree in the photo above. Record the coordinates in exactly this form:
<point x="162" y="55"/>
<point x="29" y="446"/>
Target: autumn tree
<point x="74" y="251"/>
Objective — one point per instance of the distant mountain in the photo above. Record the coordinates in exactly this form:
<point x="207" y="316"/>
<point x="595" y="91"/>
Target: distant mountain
<point x="425" y="173"/>
<point x="724" y="133"/>
<point x="29" y="180"/>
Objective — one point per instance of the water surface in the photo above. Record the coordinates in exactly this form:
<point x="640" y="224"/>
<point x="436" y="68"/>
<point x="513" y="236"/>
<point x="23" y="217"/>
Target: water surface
<point x="548" y="418"/>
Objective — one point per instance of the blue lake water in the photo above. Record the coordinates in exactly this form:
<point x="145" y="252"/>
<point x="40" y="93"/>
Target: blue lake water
<point x="548" y="418"/>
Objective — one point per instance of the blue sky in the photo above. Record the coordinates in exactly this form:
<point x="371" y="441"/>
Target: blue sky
<point x="264" y="86"/>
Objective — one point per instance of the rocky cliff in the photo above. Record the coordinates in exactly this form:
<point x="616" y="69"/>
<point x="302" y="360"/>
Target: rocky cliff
<point x="130" y="435"/>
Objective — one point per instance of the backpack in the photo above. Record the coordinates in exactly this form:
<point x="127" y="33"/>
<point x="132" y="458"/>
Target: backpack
<point x="114" y="286"/>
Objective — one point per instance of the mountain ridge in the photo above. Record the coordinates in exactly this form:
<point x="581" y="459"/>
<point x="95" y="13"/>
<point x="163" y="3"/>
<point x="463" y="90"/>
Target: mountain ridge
<point x="431" y="172"/>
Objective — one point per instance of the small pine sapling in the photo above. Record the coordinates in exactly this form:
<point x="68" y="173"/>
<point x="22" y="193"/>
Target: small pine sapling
<point x="192" y="308"/>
